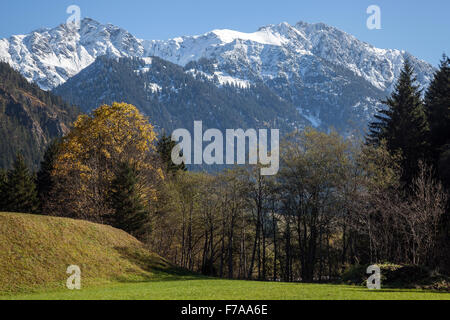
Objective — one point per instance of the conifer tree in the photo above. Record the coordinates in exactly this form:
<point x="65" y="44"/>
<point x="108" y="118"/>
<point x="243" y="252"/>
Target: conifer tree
<point x="20" y="189"/>
<point x="45" y="178"/>
<point x="437" y="103"/>
<point x="403" y="123"/>
<point x="130" y="213"/>
<point x="165" y="147"/>
<point x="3" y="179"/>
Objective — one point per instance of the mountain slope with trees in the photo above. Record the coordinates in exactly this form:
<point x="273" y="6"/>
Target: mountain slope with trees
<point x="173" y="98"/>
<point x="29" y="118"/>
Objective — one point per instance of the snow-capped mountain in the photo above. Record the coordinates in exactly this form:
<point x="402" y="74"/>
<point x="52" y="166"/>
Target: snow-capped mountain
<point x="51" y="56"/>
<point x="287" y="51"/>
<point x="329" y="76"/>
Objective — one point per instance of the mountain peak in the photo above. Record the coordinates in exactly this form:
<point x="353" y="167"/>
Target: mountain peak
<point x="88" y="20"/>
<point x="51" y="56"/>
<point x="263" y="36"/>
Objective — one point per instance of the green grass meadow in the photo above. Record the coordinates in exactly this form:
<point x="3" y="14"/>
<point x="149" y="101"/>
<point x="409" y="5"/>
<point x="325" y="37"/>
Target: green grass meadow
<point x="212" y="289"/>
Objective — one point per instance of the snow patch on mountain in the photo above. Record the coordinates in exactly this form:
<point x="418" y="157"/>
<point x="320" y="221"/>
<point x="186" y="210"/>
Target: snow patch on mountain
<point x="229" y="80"/>
<point x="221" y="79"/>
<point x="314" y="120"/>
<point x="152" y="87"/>
<point x="263" y="36"/>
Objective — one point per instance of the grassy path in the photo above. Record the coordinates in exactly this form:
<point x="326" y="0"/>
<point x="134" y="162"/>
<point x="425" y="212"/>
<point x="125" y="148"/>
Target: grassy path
<point x="212" y="289"/>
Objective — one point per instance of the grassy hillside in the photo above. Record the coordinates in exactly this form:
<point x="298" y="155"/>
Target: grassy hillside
<point x="35" y="252"/>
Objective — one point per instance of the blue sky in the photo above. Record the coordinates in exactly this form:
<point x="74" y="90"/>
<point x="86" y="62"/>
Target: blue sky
<point x="420" y="27"/>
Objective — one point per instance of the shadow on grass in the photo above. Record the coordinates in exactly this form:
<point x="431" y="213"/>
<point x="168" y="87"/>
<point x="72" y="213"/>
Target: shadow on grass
<point x="156" y="269"/>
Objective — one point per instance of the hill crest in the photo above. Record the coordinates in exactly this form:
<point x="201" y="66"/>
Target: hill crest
<point x="35" y="252"/>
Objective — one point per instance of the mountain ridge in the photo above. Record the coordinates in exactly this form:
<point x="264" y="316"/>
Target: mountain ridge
<point x="94" y="39"/>
<point x="330" y="77"/>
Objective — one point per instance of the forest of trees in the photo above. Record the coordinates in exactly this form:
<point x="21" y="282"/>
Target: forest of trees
<point x="335" y="203"/>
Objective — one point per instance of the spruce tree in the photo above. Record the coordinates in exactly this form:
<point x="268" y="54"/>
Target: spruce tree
<point x="2" y="177"/>
<point x="403" y="124"/>
<point x="165" y="147"/>
<point x="129" y="212"/>
<point x="3" y="180"/>
<point x="20" y="189"/>
<point x="437" y="103"/>
<point x="44" y="180"/>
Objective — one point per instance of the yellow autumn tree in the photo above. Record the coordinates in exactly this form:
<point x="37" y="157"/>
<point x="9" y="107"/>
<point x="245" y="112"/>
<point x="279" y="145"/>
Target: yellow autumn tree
<point x="90" y="155"/>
